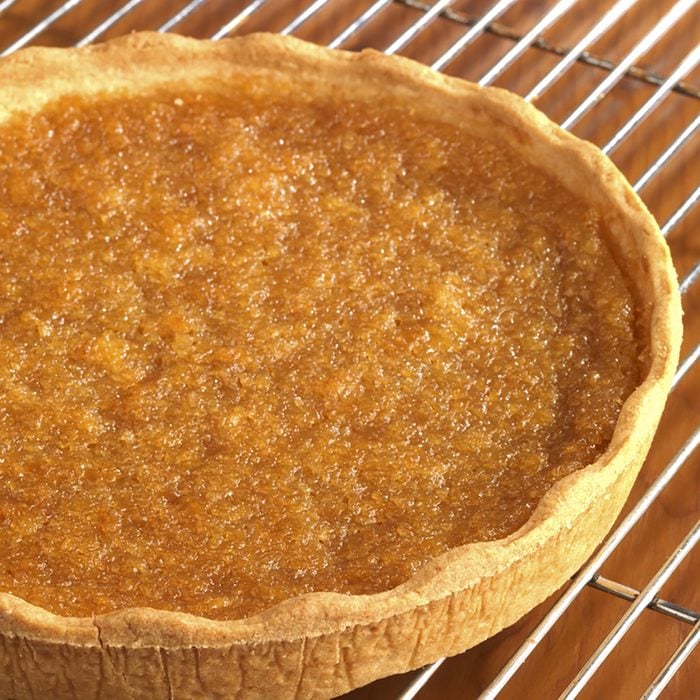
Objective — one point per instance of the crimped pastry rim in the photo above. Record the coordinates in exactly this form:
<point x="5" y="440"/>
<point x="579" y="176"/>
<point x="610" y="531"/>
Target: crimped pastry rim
<point x="34" y="77"/>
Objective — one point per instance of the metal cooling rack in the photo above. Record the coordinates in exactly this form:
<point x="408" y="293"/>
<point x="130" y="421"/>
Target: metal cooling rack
<point x="468" y="24"/>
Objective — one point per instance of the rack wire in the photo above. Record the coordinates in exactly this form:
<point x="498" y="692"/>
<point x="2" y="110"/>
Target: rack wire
<point x="467" y="24"/>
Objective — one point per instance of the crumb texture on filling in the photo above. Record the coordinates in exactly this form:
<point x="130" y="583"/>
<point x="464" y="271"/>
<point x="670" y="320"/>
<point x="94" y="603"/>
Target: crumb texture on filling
<point x="254" y="346"/>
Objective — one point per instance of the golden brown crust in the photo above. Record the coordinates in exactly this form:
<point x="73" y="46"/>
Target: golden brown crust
<point x="322" y="644"/>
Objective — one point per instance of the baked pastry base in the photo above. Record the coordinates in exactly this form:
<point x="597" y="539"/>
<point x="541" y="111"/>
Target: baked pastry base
<point x="323" y="644"/>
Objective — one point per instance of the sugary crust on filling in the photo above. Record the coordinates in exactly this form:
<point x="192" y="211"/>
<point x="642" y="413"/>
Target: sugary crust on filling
<point x="271" y="346"/>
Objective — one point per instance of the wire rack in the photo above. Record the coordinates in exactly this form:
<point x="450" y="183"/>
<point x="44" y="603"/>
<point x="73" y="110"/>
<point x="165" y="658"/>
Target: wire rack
<point x="623" y="74"/>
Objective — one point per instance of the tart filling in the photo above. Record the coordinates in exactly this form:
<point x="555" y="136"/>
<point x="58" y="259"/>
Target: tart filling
<point x="257" y="344"/>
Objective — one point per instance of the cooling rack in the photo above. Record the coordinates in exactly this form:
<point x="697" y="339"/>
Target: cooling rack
<point x="625" y="75"/>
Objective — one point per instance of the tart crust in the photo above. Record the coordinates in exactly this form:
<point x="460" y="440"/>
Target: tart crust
<point x="324" y="644"/>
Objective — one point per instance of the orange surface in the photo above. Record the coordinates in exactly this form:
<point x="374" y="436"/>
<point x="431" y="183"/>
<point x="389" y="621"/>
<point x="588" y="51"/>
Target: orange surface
<point x="255" y="347"/>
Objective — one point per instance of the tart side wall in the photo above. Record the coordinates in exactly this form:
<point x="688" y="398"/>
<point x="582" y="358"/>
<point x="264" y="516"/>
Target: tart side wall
<point x="318" y="667"/>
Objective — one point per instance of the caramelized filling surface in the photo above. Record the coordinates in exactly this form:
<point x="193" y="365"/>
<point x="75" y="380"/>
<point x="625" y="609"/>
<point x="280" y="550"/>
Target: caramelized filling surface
<point x="253" y="347"/>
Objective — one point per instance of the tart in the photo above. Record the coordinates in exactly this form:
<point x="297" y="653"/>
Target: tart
<point x="319" y="366"/>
